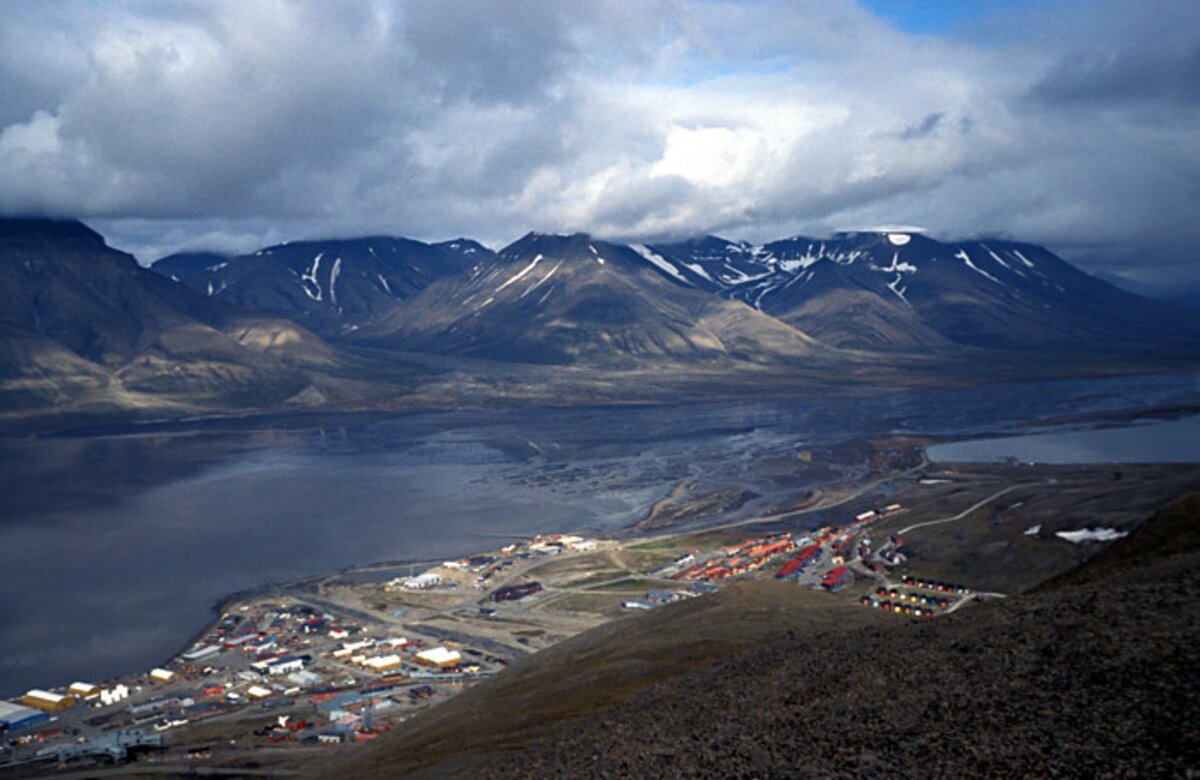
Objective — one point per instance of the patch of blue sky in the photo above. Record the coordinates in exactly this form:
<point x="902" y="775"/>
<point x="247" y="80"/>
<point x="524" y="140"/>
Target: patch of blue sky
<point x="947" y="17"/>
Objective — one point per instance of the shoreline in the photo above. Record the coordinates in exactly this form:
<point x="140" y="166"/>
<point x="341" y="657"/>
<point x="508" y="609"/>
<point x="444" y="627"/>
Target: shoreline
<point x="1119" y="418"/>
<point x="599" y="581"/>
<point x="1081" y="423"/>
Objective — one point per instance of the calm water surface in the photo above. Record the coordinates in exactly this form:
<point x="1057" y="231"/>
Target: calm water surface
<point x="1167" y="441"/>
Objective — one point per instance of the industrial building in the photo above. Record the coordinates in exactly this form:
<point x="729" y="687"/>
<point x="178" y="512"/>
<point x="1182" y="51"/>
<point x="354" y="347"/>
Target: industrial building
<point x="46" y="701"/>
<point x="284" y="665"/>
<point x="82" y="690"/>
<point x="14" y="717"/>
<point x="423" y="581"/>
<point x="439" y="656"/>
<point x="162" y="675"/>
<point x="382" y="663"/>
<point x="516" y="592"/>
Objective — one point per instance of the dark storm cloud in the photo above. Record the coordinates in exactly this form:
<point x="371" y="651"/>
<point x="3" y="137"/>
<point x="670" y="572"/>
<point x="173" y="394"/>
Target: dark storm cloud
<point x="1133" y="77"/>
<point x="234" y="124"/>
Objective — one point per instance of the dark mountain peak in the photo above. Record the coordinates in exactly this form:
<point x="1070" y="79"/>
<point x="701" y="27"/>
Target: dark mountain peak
<point x="182" y="265"/>
<point x="360" y="244"/>
<point x="708" y="243"/>
<point x="564" y="245"/>
<point x="468" y="247"/>
<point x="41" y="230"/>
<point x="332" y="286"/>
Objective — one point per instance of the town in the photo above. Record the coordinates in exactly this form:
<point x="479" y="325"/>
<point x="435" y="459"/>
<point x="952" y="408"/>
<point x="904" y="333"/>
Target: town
<point x="342" y="658"/>
<point x="348" y="663"/>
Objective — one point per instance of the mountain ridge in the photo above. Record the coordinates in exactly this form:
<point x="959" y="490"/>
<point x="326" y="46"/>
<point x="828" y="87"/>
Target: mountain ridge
<point x="987" y="293"/>
<point x="381" y="321"/>
<point x="84" y="324"/>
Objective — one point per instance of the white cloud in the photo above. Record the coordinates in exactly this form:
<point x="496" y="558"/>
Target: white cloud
<point x="229" y="120"/>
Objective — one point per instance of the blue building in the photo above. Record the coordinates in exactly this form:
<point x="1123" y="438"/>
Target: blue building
<point x="14" y="717"/>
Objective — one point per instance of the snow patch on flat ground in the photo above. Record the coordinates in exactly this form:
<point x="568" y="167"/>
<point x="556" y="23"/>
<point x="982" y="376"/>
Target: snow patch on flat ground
<point x="1084" y="535"/>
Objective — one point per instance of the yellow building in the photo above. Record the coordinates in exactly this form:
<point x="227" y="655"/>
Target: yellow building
<point x="46" y="701"/>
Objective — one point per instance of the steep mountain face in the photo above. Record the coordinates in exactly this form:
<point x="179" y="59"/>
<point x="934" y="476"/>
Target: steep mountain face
<point x="79" y="319"/>
<point x="903" y="290"/>
<point x="332" y="287"/>
<point x="567" y="299"/>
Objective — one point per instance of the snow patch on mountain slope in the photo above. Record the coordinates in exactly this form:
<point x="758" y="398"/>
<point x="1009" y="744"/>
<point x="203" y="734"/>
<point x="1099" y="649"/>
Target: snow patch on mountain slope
<point x="521" y="274"/>
<point x="1023" y="258"/>
<point x="539" y="282"/>
<point x="310" y="277"/>
<point x="333" y="277"/>
<point x="897" y="267"/>
<point x="962" y="255"/>
<point x="659" y="262"/>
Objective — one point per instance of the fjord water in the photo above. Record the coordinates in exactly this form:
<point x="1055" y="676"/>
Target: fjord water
<point x="1164" y="441"/>
<point x="117" y="546"/>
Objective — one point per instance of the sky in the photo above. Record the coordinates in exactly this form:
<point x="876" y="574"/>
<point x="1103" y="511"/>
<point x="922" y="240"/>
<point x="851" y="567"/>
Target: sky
<point x="234" y="124"/>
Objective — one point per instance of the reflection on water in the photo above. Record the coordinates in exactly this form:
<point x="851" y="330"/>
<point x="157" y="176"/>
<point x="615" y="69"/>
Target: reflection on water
<point x="115" y="547"/>
<point x="1171" y="441"/>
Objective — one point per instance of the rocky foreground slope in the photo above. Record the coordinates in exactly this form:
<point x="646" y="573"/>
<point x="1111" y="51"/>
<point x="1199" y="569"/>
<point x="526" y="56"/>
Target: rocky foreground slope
<point x="1091" y="675"/>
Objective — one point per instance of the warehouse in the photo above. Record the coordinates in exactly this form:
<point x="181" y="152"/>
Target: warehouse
<point x="46" y="701"/>
<point x="201" y="651"/>
<point x="383" y="663"/>
<point x="82" y="690"/>
<point x="516" y="592"/>
<point x="424" y="581"/>
<point x="284" y="665"/>
<point x="439" y="656"/>
<point x="14" y="717"/>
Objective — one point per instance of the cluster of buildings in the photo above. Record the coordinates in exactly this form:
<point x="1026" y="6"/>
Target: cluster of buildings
<point x="900" y="596"/>
<point x="898" y="607"/>
<point x="38" y="705"/>
<point x="943" y="587"/>
<point x="278" y="658"/>
<point x="486" y="566"/>
<point x="734" y="560"/>
<point x="905" y="602"/>
<point x="303" y="732"/>
<point x="839" y="541"/>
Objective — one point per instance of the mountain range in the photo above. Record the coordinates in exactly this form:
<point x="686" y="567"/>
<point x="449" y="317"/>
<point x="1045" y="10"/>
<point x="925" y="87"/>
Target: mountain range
<point x="84" y="328"/>
<point x="565" y="298"/>
<point x="881" y="290"/>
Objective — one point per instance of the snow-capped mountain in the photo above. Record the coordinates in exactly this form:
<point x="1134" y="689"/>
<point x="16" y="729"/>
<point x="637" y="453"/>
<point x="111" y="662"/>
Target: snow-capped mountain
<point x="899" y="289"/>
<point x="568" y="298"/>
<point x="564" y="298"/>
<point x="333" y="287"/>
